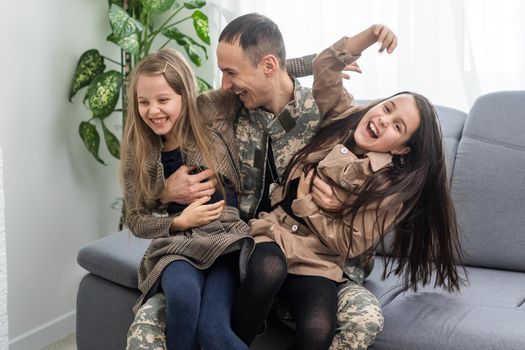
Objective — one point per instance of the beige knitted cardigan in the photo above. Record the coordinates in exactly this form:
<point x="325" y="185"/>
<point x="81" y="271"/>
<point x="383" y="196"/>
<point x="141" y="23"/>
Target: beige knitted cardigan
<point x="199" y="246"/>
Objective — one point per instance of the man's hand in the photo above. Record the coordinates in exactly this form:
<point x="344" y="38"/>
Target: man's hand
<point x="324" y="196"/>
<point x="197" y="214"/>
<point x="183" y="188"/>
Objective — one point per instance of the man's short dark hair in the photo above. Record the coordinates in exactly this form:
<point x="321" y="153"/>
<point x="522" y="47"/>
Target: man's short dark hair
<point x="258" y="35"/>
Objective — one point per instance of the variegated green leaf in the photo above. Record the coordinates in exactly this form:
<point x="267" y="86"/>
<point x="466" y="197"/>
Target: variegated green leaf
<point x="157" y="6"/>
<point x="103" y="93"/>
<point x="202" y="85"/>
<point x="194" y="4"/>
<point x="129" y="44"/>
<point x="200" y="22"/>
<point x="89" y="134"/>
<point x="193" y="55"/>
<point x="124" y="29"/>
<point x="90" y="64"/>
<point x="112" y="142"/>
<point x="187" y="43"/>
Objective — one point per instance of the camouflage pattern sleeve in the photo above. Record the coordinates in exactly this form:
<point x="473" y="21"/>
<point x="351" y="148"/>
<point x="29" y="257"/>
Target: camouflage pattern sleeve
<point x="147" y="330"/>
<point x="300" y="66"/>
<point x="359" y="318"/>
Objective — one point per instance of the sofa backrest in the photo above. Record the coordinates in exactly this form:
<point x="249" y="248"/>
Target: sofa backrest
<point x="488" y="182"/>
<point x="452" y="122"/>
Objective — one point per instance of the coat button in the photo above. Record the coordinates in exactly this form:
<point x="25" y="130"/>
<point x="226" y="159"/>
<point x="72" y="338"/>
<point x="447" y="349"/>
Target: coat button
<point x="344" y="150"/>
<point x="295" y="228"/>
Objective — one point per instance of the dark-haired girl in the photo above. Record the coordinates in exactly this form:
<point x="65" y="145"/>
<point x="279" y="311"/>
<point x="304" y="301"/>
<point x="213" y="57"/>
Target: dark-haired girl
<point x="385" y="164"/>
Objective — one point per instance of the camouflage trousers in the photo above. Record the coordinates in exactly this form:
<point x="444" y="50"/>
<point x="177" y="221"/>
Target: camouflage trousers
<point x="359" y="319"/>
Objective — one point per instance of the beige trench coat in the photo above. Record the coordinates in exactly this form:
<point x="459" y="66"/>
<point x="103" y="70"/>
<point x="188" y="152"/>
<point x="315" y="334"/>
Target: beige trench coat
<point x="322" y="248"/>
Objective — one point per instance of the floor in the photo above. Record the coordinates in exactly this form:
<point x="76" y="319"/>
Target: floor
<point x="67" y="343"/>
<point x="275" y="338"/>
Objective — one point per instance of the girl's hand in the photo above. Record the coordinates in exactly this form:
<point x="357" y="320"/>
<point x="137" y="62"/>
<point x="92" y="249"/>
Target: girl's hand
<point x="198" y="214"/>
<point x="352" y="67"/>
<point x="324" y="196"/>
<point x="385" y="37"/>
<point x="304" y="184"/>
<point x="377" y="33"/>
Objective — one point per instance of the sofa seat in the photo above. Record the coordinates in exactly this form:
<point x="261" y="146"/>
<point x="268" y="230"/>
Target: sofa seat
<point x="489" y="313"/>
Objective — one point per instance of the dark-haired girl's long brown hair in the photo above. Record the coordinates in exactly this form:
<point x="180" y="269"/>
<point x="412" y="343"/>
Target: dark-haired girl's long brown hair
<point x="425" y="234"/>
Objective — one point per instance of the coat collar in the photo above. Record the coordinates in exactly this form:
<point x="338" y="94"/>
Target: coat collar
<point x="285" y="120"/>
<point x="378" y="160"/>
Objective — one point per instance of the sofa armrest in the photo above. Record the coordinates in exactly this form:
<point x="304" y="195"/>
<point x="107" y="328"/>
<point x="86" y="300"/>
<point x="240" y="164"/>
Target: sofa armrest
<point x="115" y="258"/>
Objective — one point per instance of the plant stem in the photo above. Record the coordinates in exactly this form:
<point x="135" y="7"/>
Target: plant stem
<point x="164" y="45"/>
<point x="180" y="21"/>
<point x="163" y="25"/>
<point x="111" y="60"/>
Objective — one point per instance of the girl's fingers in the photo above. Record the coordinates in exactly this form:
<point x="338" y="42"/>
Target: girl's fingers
<point x="201" y="201"/>
<point x="213" y="209"/>
<point x="390" y="42"/>
<point x="381" y="38"/>
<point x="393" y="46"/>
<point x="214" y="215"/>
<point x="386" y="38"/>
<point x="322" y="187"/>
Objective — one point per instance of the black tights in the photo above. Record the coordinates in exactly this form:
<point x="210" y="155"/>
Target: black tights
<point x="312" y="300"/>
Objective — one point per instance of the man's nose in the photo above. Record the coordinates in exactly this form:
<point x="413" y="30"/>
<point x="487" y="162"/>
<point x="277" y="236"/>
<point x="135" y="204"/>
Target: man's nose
<point x="226" y="83"/>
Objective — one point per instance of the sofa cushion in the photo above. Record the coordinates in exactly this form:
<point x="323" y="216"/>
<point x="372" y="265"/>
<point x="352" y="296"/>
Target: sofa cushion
<point x="480" y="316"/>
<point x="115" y="258"/>
<point x="488" y="185"/>
<point x="452" y="122"/>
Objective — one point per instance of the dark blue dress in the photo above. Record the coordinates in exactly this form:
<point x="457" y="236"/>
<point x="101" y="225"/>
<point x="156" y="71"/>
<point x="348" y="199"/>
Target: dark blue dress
<point x="173" y="160"/>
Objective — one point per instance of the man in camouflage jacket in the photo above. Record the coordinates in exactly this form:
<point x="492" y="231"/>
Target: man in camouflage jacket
<point x="276" y="118"/>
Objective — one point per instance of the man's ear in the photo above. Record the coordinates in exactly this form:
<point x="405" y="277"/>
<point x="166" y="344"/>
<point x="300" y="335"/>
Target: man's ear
<point x="270" y="64"/>
<point x="400" y="150"/>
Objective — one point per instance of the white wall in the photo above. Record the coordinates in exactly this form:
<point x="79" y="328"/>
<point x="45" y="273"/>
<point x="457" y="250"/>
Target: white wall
<point x="4" y="341"/>
<point x="57" y="198"/>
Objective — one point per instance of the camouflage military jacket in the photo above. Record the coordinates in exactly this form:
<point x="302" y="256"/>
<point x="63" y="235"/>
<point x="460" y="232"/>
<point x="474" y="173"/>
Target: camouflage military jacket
<point x="288" y="131"/>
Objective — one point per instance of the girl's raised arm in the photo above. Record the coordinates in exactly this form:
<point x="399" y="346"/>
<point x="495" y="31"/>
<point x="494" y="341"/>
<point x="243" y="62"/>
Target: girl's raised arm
<point x="333" y="100"/>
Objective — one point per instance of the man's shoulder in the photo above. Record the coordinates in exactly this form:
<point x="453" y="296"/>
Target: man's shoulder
<point x="215" y="104"/>
<point x="217" y="96"/>
<point x="304" y="99"/>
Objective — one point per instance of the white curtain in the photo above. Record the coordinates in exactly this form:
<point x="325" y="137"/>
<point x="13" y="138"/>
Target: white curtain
<point x="450" y="51"/>
<point x="4" y="343"/>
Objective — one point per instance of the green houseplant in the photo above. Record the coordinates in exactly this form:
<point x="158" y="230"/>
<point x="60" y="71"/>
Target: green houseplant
<point x="137" y="27"/>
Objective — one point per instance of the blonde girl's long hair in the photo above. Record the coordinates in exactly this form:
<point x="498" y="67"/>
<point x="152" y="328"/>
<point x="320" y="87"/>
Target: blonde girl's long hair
<point x="138" y="140"/>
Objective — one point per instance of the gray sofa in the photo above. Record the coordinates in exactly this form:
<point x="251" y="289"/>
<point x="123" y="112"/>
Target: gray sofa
<point x="486" y="159"/>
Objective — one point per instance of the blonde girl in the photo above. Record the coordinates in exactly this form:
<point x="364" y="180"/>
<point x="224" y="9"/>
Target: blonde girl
<point x="197" y="251"/>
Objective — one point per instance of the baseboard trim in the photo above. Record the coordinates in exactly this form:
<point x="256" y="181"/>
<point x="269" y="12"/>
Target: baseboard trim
<point x="46" y="334"/>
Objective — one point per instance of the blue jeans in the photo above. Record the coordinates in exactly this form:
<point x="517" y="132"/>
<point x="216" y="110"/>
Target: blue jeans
<point x="199" y="303"/>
